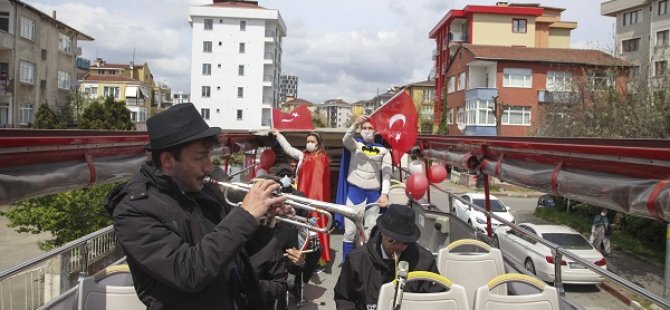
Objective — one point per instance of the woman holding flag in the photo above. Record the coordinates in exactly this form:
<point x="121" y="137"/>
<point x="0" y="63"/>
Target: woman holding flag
<point x="313" y="176"/>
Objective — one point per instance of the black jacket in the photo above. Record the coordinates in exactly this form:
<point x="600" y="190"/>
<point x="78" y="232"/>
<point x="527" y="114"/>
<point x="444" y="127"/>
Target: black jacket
<point x="186" y="251"/>
<point x="364" y="272"/>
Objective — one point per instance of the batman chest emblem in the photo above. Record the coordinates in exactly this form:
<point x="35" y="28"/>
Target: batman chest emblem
<point x="370" y="150"/>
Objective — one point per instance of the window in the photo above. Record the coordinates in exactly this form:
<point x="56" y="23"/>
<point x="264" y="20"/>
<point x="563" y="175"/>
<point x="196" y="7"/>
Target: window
<point x="239" y="114"/>
<point x="240" y="70"/>
<point x="4" y="114"/>
<point x="662" y="38"/>
<point x="519" y="25"/>
<point x="600" y="81"/>
<point x="663" y="7"/>
<point x="207" y="46"/>
<point x="27" y="28"/>
<point x="108" y="91"/>
<point x="4" y="22"/>
<point x="428" y="94"/>
<point x="243" y="25"/>
<point x="44" y="54"/>
<point x="206" y="69"/>
<point x="64" y="43"/>
<point x="240" y="92"/>
<point x="660" y="68"/>
<point x="26" y="114"/>
<point x="633" y="17"/>
<point x="452" y="84"/>
<point x="559" y="81"/>
<point x="242" y="48"/>
<point x="479" y="112"/>
<point x="450" y="116"/>
<point x="206" y="91"/>
<point x="461" y="116"/>
<point x="517" y="77"/>
<point x="205" y="113"/>
<point x="91" y="92"/>
<point x="516" y="116"/>
<point x="209" y="23"/>
<point x="461" y="81"/>
<point x="631" y="45"/>
<point x="27" y="72"/>
<point x="63" y="79"/>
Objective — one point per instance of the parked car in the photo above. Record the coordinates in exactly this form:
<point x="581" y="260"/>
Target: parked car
<point x="538" y="259"/>
<point x="546" y="201"/>
<point x="477" y="219"/>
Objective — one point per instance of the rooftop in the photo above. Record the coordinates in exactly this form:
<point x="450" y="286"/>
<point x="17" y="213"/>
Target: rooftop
<point x="549" y="55"/>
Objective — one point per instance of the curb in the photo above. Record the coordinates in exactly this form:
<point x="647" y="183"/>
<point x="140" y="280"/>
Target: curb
<point x="616" y="293"/>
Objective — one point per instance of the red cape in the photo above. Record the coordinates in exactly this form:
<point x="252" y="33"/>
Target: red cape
<point x="314" y="181"/>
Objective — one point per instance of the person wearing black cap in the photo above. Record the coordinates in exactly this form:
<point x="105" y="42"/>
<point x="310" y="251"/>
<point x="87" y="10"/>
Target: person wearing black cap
<point x="372" y="265"/>
<point x="186" y="248"/>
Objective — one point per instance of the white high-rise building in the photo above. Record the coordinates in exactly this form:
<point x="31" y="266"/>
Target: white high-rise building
<point x="236" y="63"/>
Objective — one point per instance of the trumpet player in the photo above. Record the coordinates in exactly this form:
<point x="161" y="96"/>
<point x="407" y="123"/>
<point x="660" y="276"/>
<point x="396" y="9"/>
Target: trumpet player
<point x="186" y="247"/>
<point x="393" y="239"/>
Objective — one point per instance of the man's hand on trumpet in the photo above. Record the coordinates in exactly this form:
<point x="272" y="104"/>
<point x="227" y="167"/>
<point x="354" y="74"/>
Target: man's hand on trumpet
<point x="260" y="201"/>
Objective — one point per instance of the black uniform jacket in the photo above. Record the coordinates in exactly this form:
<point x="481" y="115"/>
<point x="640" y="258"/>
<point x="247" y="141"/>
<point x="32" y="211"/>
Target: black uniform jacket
<point x="364" y="272"/>
<point x="186" y="251"/>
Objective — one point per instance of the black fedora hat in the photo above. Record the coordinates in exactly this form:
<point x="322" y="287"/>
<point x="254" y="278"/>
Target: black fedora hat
<point x="179" y="124"/>
<point x="398" y="224"/>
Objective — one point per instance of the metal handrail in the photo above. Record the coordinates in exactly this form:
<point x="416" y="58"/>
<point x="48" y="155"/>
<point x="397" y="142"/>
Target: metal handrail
<point x="58" y="251"/>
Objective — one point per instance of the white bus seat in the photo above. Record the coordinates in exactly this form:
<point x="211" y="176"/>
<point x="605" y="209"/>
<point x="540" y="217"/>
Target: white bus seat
<point x="471" y="269"/>
<point x="111" y="288"/>
<point x="547" y="298"/>
<point x="454" y="298"/>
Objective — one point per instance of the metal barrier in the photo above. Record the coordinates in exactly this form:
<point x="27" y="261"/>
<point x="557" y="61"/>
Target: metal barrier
<point x="35" y="282"/>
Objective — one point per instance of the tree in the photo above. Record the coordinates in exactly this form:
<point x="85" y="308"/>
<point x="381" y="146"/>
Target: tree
<point x="67" y="216"/>
<point x="317" y="122"/>
<point x="45" y="118"/>
<point x="443" y="128"/>
<point x="107" y="115"/>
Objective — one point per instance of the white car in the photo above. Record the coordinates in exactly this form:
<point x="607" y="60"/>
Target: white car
<point x="538" y="259"/>
<point x="477" y="219"/>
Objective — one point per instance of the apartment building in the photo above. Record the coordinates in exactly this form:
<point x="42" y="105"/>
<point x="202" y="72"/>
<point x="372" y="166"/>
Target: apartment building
<point x="236" y="63"/>
<point x="293" y="103"/>
<point x="522" y="82"/>
<point x="335" y="113"/>
<point x="423" y="96"/>
<point x="38" y="62"/>
<point x="134" y="84"/>
<point x="642" y="36"/>
<point x="288" y="87"/>
<point x="181" y="97"/>
<point x="503" y="24"/>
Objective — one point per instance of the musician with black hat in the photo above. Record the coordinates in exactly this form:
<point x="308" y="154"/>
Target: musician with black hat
<point x="368" y="267"/>
<point x="186" y="247"/>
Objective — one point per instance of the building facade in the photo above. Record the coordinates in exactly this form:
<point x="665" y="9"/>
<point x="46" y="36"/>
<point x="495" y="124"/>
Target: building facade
<point x="503" y="24"/>
<point x="642" y="36"/>
<point x="423" y="96"/>
<point x="288" y="87"/>
<point x="335" y="113"/>
<point x="521" y="82"/>
<point x="181" y="97"/>
<point x="236" y="63"/>
<point x="38" y="62"/>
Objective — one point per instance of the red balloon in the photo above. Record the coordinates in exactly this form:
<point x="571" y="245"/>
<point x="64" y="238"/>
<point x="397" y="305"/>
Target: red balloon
<point x="437" y="174"/>
<point x="416" y="186"/>
<point x="267" y="159"/>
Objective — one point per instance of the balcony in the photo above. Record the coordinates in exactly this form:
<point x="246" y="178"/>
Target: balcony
<point x="481" y="93"/>
<point x="268" y="100"/>
<point x="561" y="97"/>
<point x="6" y="40"/>
<point x="135" y="102"/>
<point x="457" y="37"/>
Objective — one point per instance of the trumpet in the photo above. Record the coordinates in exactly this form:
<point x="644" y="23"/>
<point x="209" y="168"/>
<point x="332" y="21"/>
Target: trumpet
<point x="311" y="205"/>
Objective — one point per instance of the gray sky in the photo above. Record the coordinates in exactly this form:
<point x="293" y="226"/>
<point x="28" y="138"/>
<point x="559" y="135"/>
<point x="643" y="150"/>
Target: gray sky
<point x="344" y="49"/>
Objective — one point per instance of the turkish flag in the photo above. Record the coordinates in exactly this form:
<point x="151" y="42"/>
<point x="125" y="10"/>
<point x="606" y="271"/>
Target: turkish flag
<point x="298" y="118"/>
<point x="397" y="122"/>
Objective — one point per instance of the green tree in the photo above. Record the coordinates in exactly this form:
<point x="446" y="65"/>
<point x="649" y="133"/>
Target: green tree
<point x="443" y="129"/>
<point x="109" y="114"/>
<point x="317" y="122"/>
<point x="45" y="118"/>
<point x="67" y="216"/>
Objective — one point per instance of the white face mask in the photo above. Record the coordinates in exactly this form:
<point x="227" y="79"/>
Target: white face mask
<point x="311" y="147"/>
<point x="603" y="213"/>
<point x="368" y="135"/>
<point x="285" y="181"/>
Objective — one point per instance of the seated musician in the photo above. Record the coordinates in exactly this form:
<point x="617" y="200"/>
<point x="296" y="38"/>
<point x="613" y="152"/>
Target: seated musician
<point x="393" y="239"/>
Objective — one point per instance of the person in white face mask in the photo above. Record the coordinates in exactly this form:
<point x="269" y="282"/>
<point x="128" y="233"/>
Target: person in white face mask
<point x="313" y="176"/>
<point x="368" y="178"/>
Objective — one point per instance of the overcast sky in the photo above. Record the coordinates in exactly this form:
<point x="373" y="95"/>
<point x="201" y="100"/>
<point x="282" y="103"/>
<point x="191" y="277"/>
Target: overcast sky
<point x="345" y="49"/>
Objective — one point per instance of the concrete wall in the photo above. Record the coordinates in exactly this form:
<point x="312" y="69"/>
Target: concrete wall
<point x="497" y="30"/>
<point x="559" y="38"/>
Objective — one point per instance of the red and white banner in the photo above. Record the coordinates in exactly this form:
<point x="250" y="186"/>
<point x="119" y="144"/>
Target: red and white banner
<point x="298" y="118"/>
<point x="397" y="122"/>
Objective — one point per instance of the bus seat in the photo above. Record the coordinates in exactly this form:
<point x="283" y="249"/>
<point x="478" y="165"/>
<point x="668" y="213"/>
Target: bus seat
<point x="111" y="288"/>
<point x="471" y="269"/>
<point x="547" y="298"/>
<point x="454" y="298"/>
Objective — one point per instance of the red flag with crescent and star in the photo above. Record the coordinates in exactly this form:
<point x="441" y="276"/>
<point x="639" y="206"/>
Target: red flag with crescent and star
<point x="397" y="122"/>
<point x="298" y="118"/>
